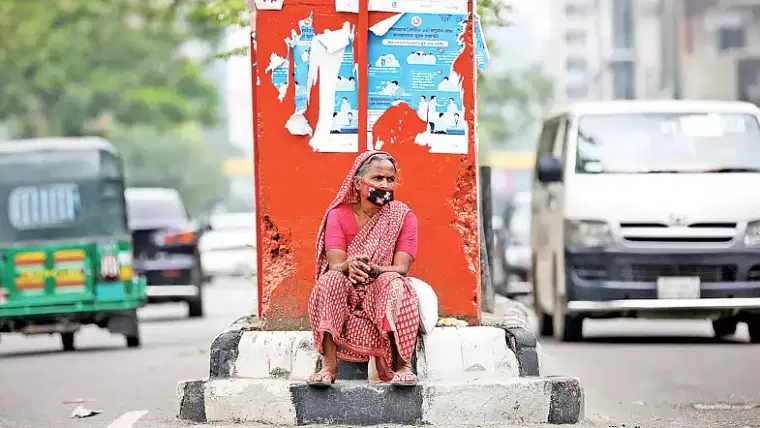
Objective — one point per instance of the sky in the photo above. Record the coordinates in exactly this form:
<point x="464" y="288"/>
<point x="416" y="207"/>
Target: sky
<point x="525" y="42"/>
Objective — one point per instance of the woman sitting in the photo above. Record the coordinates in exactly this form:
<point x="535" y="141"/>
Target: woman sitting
<point x="363" y="305"/>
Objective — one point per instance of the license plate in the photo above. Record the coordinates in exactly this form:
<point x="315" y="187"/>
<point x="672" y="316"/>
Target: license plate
<point x="678" y="287"/>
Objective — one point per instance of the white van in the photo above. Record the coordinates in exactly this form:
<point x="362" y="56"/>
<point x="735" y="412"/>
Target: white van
<point x="647" y="209"/>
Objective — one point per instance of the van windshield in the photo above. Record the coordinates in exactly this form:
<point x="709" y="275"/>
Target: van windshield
<point x="668" y="143"/>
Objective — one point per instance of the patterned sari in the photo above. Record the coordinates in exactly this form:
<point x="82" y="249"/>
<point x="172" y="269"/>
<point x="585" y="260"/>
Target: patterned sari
<point x="359" y="316"/>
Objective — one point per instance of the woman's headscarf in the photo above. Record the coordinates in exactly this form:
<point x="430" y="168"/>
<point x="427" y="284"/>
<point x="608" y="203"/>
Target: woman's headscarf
<point x="347" y="194"/>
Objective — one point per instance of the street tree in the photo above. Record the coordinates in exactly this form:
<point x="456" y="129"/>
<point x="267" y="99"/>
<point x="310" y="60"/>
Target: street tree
<point x="67" y="63"/>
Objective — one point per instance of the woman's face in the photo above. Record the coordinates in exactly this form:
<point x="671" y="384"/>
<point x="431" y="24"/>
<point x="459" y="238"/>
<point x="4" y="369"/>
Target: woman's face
<point x="381" y="173"/>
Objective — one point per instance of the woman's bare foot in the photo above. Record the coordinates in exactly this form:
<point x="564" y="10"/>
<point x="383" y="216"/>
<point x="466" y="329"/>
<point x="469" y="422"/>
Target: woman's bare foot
<point x="324" y="377"/>
<point x="404" y="376"/>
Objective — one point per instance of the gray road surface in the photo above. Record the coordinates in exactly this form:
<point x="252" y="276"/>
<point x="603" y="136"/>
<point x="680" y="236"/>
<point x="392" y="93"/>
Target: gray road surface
<point x="636" y="373"/>
<point x="669" y="374"/>
<point x="36" y="378"/>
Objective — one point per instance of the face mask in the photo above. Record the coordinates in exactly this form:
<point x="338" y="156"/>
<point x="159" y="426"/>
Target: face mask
<point x="378" y="196"/>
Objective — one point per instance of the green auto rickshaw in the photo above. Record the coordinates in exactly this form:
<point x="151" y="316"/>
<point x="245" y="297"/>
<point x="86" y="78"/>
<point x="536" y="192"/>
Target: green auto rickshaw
<point x="65" y="249"/>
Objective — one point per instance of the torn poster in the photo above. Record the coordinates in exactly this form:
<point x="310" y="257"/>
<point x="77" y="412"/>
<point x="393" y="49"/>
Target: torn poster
<point x="405" y="6"/>
<point x="331" y="66"/>
<point x="269" y="4"/>
<point x="278" y="69"/>
<point x="413" y="63"/>
<point x="481" y="48"/>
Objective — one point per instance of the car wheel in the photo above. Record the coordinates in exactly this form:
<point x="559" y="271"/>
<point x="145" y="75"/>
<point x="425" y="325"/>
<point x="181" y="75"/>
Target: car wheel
<point x="67" y="340"/>
<point x="724" y="327"/>
<point x="545" y="325"/>
<point x="753" y="325"/>
<point x="195" y="307"/>
<point x="132" y="341"/>
<point x="567" y="328"/>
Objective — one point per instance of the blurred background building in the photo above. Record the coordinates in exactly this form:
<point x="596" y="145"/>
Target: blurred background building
<point x="628" y="49"/>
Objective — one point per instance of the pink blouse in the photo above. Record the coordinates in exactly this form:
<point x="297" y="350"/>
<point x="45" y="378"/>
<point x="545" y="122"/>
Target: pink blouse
<point x="341" y="229"/>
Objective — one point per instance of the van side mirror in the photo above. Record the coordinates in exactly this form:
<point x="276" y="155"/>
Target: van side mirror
<point x="549" y="169"/>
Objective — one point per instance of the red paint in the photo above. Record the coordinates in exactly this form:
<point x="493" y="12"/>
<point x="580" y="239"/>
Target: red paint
<point x="295" y="184"/>
<point x="362" y="36"/>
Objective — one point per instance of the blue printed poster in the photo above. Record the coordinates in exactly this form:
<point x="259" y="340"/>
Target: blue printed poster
<point x="344" y="115"/>
<point x="413" y="63"/>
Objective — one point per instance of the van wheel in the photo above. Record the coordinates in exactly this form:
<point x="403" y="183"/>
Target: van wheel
<point x="724" y="327"/>
<point x="67" y="340"/>
<point x="568" y="329"/>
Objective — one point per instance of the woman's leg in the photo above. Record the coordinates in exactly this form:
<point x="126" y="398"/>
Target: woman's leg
<point x="328" y="311"/>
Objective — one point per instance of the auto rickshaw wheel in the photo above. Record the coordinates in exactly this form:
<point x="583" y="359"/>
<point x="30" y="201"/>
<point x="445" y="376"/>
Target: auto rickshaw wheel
<point x="133" y="341"/>
<point x="67" y="340"/>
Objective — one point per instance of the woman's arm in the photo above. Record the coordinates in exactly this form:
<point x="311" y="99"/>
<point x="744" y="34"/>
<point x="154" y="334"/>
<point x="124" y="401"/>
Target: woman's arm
<point x="402" y="262"/>
<point x="337" y="260"/>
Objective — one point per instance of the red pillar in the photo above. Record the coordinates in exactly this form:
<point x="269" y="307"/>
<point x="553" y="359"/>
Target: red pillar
<point x="295" y="184"/>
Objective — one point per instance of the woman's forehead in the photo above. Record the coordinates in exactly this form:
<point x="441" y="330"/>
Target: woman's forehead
<point x="381" y="166"/>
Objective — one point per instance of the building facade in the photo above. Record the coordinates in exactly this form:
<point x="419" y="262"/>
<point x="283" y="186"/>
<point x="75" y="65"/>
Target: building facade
<point x="654" y="49"/>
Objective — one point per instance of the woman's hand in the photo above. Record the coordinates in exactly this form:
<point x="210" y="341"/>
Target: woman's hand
<point x="358" y="269"/>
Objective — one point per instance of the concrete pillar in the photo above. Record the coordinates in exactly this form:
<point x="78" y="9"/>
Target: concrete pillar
<point x="295" y="183"/>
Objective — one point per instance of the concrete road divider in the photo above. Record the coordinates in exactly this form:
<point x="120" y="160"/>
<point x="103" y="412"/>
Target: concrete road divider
<point x="467" y="376"/>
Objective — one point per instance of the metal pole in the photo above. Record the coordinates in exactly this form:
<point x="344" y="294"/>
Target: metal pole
<point x="676" y="17"/>
<point x="487" y="292"/>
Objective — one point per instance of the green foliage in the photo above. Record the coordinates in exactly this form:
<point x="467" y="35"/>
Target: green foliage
<point x="510" y="104"/>
<point x="178" y="159"/>
<point x="66" y="63"/>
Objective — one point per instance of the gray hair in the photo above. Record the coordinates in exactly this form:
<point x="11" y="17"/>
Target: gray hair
<point x="364" y="167"/>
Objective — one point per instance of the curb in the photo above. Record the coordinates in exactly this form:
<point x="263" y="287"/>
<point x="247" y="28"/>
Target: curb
<point x="557" y="400"/>
<point x="513" y="318"/>
<point x="520" y="340"/>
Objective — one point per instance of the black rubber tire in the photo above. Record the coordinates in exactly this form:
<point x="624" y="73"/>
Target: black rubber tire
<point x="753" y="325"/>
<point x="724" y="327"/>
<point x="132" y="341"/>
<point x="545" y="325"/>
<point x="67" y="341"/>
<point x="572" y="331"/>
<point x="195" y="307"/>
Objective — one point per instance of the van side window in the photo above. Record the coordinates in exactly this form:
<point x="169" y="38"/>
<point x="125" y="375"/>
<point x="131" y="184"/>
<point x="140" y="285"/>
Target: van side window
<point x="547" y="140"/>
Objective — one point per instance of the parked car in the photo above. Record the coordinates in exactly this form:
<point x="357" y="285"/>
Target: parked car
<point x="165" y="247"/>
<point x="228" y="247"/>
<point x="517" y="252"/>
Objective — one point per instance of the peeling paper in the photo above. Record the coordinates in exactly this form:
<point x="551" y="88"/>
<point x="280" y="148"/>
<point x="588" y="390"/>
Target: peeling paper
<point x="481" y="47"/>
<point x="326" y="57"/>
<point x="298" y="125"/>
<point x="269" y="4"/>
<point x="402" y="6"/>
<point x="278" y="68"/>
<point x="383" y="26"/>
<point x="411" y="60"/>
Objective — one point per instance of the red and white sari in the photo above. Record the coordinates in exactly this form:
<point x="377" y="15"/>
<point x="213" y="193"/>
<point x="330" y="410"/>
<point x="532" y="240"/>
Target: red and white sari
<point x="359" y="317"/>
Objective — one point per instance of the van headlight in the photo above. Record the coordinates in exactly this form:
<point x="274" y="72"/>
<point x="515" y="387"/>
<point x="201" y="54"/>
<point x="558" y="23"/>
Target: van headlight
<point x="587" y="233"/>
<point x="752" y="235"/>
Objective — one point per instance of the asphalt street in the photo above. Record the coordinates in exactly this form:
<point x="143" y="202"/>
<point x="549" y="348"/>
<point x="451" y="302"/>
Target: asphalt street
<point x="649" y="374"/>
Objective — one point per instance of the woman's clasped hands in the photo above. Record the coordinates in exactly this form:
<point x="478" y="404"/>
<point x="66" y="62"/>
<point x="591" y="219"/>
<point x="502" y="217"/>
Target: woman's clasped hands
<point x="360" y="270"/>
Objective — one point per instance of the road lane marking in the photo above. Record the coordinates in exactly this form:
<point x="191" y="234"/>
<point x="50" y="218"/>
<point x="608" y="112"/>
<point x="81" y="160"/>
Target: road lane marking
<point x="127" y="420"/>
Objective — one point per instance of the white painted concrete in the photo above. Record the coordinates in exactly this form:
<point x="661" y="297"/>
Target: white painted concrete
<point x="275" y="354"/>
<point x="448" y="353"/>
<point x="483" y="402"/>
<point x="457" y="353"/>
<point x="266" y="401"/>
<point x="466" y="403"/>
